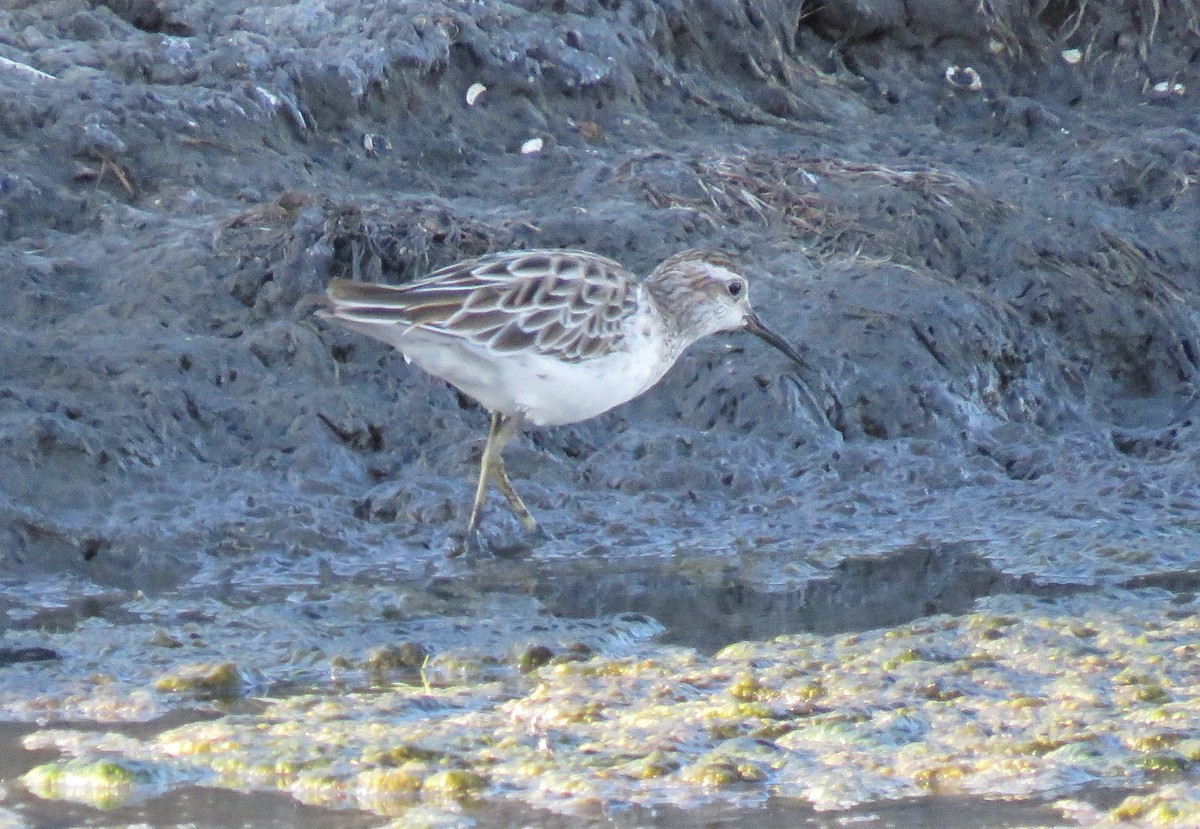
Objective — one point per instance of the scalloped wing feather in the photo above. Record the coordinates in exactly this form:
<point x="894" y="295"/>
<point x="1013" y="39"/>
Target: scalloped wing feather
<point x="570" y="305"/>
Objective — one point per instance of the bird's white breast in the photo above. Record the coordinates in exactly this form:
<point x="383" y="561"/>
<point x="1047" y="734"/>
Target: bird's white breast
<point x="547" y="391"/>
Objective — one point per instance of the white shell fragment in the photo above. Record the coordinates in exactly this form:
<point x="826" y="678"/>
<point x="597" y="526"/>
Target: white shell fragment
<point x="532" y="147"/>
<point x="1169" y="88"/>
<point x="374" y="143"/>
<point x="1072" y="56"/>
<point x="963" y="77"/>
<point x="473" y="93"/>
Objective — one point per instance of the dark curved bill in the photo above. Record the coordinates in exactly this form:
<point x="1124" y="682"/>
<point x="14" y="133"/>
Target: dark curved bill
<point x="755" y="326"/>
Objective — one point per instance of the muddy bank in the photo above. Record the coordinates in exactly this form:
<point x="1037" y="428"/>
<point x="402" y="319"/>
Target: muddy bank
<point x="995" y="285"/>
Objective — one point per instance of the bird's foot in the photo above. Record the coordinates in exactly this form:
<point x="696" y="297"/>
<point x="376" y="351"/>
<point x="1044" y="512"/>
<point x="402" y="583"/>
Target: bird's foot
<point x="475" y="543"/>
<point x="470" y="544"/>
<point x="539" y="534"/>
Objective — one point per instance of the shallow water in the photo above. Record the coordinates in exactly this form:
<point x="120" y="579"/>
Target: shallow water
<point x="868" y="707"/>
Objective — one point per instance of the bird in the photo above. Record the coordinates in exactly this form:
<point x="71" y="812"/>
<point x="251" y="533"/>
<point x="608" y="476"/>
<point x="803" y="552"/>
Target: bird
<point x="550" y="336"/>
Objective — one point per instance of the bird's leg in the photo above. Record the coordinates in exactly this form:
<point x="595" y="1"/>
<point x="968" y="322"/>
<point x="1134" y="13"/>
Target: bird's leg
<point x="500" y="475"/>
<point x="484" y="475"/>
<point x="491" y="467"/>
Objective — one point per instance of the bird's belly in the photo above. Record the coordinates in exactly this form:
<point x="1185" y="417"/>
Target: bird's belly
<point x="547" y="391"/>
<point x="550" y="392"/>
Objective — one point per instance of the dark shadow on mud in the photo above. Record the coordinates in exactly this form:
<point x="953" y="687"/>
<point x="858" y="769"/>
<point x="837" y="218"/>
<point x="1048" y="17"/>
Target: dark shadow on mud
<point x="708" y="610"/>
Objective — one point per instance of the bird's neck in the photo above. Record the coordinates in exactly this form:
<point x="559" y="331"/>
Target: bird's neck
<point x="680" y="329"/>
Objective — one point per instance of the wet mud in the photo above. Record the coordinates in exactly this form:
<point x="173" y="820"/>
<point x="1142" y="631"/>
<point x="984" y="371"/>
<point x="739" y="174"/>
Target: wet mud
<point x="976" y="222"/>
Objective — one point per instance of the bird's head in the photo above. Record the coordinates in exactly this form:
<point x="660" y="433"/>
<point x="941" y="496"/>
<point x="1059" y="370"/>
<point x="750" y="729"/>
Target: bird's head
<point x="706" y="293"/>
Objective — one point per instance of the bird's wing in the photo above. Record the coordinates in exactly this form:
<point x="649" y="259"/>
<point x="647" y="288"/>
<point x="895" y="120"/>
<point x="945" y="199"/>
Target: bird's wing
<point x="570" y="305"/>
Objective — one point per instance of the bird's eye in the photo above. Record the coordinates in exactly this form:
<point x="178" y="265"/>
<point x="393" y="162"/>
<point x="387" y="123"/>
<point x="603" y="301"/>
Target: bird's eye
<point x="735" y="288"/>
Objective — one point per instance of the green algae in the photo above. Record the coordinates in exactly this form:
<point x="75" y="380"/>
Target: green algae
<point x="533" y="657"/>
<point x="392" y="657"/>
<point x="1171" y="807"/>
<point x="203" y="680"/>
<point x="455" y="784"/>
<point x="1024" y="698"/>
<point x="104" y="783"/>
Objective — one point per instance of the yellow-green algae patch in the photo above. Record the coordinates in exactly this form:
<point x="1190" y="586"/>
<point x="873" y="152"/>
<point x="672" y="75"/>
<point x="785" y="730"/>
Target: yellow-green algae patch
<point x="102" y="782"/>
<point x="174" y="652"/>
<point x="1174" y="806"/>
<point x="1024" y="698"/>
<point x="203" y="680"/>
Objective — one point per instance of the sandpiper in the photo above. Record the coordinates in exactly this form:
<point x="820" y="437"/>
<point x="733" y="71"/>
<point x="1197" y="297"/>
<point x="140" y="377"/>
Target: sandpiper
<point x="550" y="336"/>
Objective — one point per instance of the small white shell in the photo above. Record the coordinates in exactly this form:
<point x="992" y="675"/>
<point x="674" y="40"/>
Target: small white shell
<point x="1072" y="56"/>
<point x="532" y="147"/>
<point x="374" y="143"/>
<point x="964" y="77"/>
<point x="473" y="93"/>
